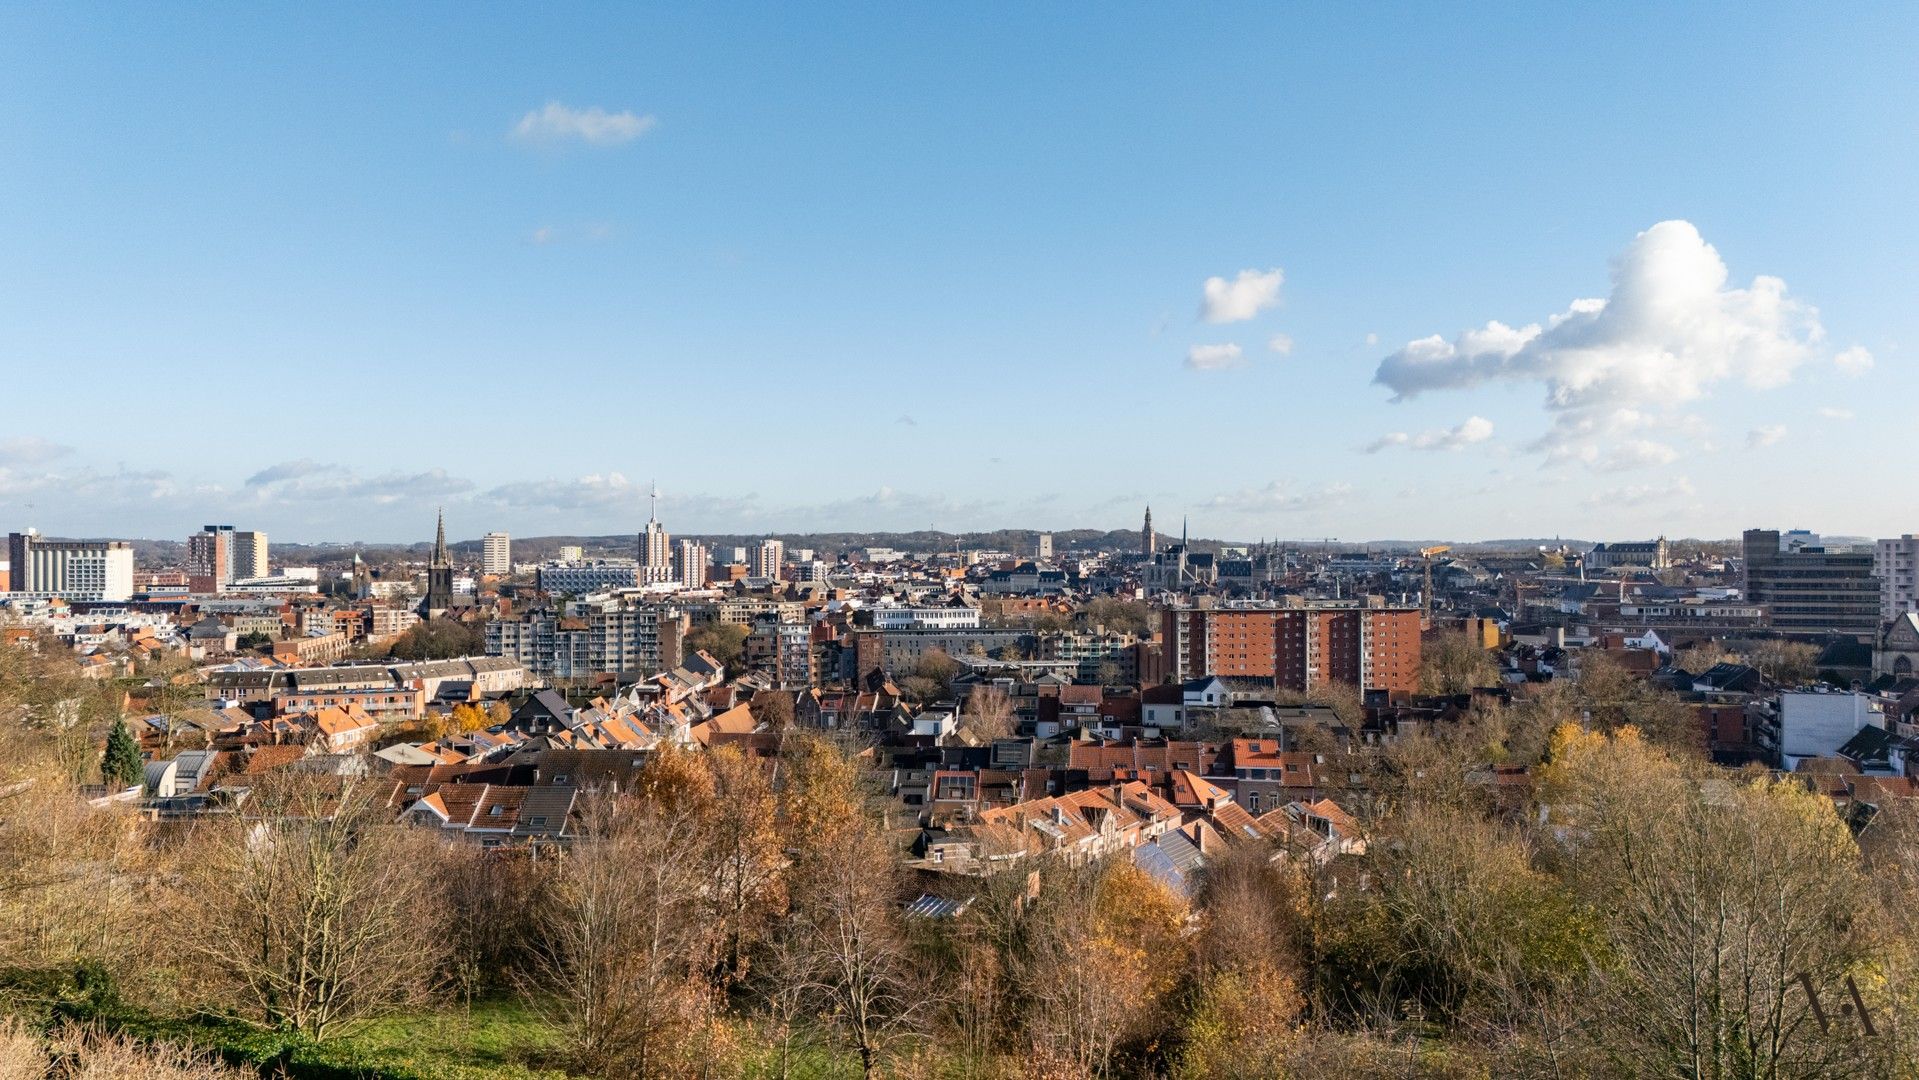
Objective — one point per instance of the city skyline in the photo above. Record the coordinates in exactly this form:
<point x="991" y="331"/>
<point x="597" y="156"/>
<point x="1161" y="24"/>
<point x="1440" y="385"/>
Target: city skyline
<point x="1299" y="274"/>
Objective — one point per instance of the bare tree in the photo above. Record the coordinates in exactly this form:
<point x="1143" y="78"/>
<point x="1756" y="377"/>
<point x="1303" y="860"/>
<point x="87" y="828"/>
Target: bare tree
<point x="317" y="910"/>
<point x="853" y="961"/>
<point x="989" y="713"/>
<point x="747" y="883"/>
<point x="627" y="944"/>
<point x="1721" y="899"/>
<point x="1453" y="663"/>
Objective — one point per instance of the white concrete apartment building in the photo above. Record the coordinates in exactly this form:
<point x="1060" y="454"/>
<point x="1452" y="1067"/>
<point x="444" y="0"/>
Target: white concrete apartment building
<point x="1893" y="563"/>
<point x="250" y="555"/>
<point x="496" y="554"/>
<point x="765" y="559"/>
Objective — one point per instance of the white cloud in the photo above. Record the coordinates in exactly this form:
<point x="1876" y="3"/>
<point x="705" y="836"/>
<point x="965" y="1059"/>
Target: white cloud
<point x="541" y="236"/>
<point x="1834" y="412"/>
<point x="1278" y="497"/>
<point x="1281" y="344"/>
<point x="1474" y="429"/>
<point x="1214" y="357"/>
<point x="1252" y="292"/>
<point x="1632" y="454"/>
<point x="30" y="450"/>
<point x="592" y="125"/>
<point x="1641" y="494"/>
<point x="1372" y="339"/>
<point x="1765" y="436"/>
<point x="1669" y="332"/>
<point x="1855" y="361"/>
<point x="308" y="481"/>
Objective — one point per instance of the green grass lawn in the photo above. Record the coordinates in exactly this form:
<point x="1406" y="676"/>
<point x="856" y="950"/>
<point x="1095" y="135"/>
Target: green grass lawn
<point x="505" y="1035"/>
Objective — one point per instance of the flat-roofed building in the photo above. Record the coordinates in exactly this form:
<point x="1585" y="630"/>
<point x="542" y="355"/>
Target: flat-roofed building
<point x="70" y="569"/>
<point x="1809" y="588"/>
<point x="1297" y="645"/>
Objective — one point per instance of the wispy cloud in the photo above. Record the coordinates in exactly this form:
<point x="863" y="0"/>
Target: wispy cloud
<point x="1473" y="429"/>
<point x="1855" y="361"/>
<point x="1278" y="497"/>
<point x="1834" y="412"/>
<point x="1281" y="344"/>
<point x="593" y="125"/>
<point x="1765" y="436"/>
<point x="1643" y="494"/>
<point x="30" y="450"/>
<point x="307" y="481"/>
<point x="1215" y="357"/>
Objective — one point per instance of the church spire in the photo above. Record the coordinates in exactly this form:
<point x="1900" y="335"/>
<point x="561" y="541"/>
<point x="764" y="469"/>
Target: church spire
<point x="439" y="540"/>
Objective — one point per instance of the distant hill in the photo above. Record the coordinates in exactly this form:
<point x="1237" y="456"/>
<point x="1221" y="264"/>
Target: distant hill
<point x="830" y="545"/>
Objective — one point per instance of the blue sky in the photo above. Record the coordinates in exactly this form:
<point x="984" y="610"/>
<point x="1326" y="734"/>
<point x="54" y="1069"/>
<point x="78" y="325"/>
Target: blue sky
<point x="317" y="271"/>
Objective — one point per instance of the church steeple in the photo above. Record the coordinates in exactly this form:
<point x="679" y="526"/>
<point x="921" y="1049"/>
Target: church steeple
<point x="439" y="574"/>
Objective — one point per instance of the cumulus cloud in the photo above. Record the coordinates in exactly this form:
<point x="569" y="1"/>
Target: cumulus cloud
<point x="1834" y="412"/>
<point x="1281" y="344"/>
<point x="1474" y="429"/>
<point x="1765" y="436"/>
<point x="1670" y="330"/>
<point x="1214" y="357"/>
<point x="1855" y="361"/>
<point x="1252" y="292"/>
<point x="593" y="125"/>
<point x="30" y="450"/>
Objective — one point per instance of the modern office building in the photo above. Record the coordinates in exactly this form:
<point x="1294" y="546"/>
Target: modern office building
<point x="1809" y="588"/>
<point x="496" y="554"/>
<point x="891" y="615"/>
<point x="582" y="576"/>
<point x="71" y="569"/>
<point x="1297" y="644"/>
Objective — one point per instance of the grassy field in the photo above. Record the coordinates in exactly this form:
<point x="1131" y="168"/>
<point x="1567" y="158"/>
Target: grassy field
<point x="504" y="1035"/>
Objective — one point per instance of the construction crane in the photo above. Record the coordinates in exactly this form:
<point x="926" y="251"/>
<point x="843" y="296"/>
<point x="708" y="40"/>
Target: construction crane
<point x="1426" y="583"/>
